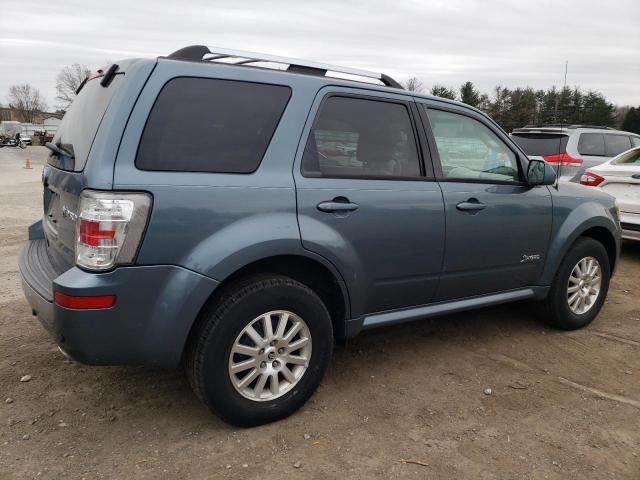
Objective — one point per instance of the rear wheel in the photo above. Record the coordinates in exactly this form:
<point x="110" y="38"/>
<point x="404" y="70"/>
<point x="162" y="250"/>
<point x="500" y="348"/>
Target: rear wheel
<point x="261" y="350"/>
<point x="580" y="287"/>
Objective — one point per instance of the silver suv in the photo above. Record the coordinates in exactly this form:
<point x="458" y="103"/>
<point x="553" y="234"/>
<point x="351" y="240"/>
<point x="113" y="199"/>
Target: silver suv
<point x="574" y="148"/>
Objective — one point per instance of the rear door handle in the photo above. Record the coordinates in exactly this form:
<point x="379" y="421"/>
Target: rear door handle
<point x="337" y="205"/>
<point x="471" y="205"/>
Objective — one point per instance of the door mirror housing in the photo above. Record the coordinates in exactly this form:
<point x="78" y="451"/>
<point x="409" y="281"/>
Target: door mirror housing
<point x="540" y="172"/>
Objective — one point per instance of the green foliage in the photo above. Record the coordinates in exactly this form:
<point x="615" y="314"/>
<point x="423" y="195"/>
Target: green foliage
<point x="444" y="92"/>
<point x="631" y="122"/>
<point x="526" y="106"/>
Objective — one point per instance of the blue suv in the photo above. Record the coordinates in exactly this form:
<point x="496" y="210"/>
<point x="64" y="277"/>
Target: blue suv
<point x="238" y="213"/>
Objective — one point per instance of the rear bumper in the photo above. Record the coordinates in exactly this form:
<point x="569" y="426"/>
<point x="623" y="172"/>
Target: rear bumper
<point x="148" y="325"/>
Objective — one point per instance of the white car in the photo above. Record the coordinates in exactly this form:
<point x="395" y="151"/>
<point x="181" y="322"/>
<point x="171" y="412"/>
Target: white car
<point x="620" y="177"/>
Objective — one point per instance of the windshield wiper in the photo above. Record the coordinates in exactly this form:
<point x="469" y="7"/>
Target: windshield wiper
<point x="59" y="151"/>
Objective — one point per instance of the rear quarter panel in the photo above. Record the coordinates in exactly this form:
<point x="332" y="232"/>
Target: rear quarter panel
<point x="212" y="223"/>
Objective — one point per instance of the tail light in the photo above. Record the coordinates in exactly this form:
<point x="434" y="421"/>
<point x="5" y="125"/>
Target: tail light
<point x="109" y="228"/>
<point x="591" y="179"/>
<point x="563" y="159"/>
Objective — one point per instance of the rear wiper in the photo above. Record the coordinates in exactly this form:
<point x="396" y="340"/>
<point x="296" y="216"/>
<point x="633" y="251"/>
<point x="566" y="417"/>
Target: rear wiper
<point x="59" y="151"/>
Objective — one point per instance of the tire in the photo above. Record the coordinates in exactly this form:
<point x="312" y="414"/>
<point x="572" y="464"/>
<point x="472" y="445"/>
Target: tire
<point x="555" y="309"/>
<point x="223" y="326"/>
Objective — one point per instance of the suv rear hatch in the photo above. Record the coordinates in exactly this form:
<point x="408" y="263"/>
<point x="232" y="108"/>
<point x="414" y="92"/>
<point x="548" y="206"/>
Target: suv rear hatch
<point x="64" y="176"/>
<point x="550" y="146"/>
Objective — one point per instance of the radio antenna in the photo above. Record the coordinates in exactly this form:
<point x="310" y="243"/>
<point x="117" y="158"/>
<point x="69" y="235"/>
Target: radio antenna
<point x="560" y="152"/>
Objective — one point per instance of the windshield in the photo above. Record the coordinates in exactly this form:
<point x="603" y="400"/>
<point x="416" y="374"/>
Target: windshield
<point x="80" y="123"/>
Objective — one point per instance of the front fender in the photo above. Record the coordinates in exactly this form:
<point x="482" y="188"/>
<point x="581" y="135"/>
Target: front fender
<point x="568" y="225"/>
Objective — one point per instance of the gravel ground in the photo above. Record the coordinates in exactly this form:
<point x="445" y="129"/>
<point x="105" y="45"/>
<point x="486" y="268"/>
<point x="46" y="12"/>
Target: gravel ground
<point x="410" y="401"/>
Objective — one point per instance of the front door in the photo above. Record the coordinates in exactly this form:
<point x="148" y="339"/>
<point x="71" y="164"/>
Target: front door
<point x="365" y="201"/>
<point x="497" y="226"/>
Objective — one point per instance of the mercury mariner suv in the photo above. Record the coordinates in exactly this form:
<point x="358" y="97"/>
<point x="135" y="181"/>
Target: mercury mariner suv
<point x="238" y="213"/>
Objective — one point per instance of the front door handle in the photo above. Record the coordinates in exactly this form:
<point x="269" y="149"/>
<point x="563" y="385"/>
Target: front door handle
<point x="337" y="205"/>
<point x="471" y="205"/>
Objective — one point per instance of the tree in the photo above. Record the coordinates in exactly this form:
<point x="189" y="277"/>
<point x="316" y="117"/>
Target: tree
<point x="444" y="92"/>
<point x="414" y="85"/>
<point x="597" y="111"/>
<point x="27" y="101"/>
<point x="631" y="122"/>
<point x="470" y="95"/>
<point x="68" y="81"/>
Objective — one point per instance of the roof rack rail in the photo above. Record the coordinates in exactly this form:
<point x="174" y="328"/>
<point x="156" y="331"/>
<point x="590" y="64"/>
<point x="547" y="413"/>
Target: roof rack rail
<point x="240" y="57"/>
<point x="564" y="125"/>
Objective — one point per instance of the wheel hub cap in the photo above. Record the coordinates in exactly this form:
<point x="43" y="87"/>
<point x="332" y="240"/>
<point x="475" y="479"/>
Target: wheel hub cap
<point x="583" y="287"/>
<point x="270" y="355"/>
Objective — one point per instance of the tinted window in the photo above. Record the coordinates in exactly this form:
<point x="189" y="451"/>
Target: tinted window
<point x="354" y="137"/>
<point x="591" y="144"/>
<point x="541" y="145"/>
<point x="80" y="123"/>
<point x="629" y="158"/>
<point x="616" y="144"/>
<point x="470" y="150"/>
<point x="206" y="125"/>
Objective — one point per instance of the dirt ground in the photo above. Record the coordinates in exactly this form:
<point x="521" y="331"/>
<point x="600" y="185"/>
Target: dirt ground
<point x="563" y="405"/>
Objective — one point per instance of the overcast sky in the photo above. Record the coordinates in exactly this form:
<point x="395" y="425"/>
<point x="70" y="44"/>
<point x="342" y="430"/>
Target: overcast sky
<point x="512" y="43"/>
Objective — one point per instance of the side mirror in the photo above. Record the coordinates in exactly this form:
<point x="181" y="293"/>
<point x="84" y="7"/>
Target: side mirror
<point x="540" y="172"/>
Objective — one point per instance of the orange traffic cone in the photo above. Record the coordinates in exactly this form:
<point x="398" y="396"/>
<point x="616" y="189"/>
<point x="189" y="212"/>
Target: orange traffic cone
<point x="27" y="164"/>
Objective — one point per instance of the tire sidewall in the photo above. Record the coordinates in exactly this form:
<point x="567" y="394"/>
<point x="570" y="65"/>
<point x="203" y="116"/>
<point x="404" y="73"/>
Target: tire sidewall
<point x="217" y="386"/>
<point x="585" y="247"/>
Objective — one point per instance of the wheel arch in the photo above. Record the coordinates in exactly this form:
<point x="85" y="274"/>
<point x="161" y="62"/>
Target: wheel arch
<point x="599" y="227"/>
<point x="311" y="271"/>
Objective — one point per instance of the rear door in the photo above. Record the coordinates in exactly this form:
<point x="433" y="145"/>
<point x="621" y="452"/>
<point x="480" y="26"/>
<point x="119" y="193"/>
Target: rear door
<point x="64" y="175"/>
<point x="367" y="202"/>
<point x="498" y="227"/>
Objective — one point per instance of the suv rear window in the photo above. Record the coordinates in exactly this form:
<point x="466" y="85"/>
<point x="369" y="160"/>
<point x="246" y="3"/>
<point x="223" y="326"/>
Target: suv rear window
<point x="209" y="125"/>
<point x="541" y="144"/>
<point x="616" y="144"/>
<point x="80" y="123"/>
<point x="591" y="144"/>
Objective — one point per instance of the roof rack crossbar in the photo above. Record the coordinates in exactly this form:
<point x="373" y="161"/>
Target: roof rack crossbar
<point x="565" y="125"/>
<point x="204" y="53"/>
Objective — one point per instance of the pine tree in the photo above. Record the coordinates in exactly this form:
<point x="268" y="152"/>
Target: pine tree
<point x="631" y="122"/>
<point x="444" y="92"/>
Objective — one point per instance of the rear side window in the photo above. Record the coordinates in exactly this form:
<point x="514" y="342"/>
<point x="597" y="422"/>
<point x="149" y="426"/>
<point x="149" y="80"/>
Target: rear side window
<point x="541" y="145"/>
<point x="616" y="144"/>
<point x="635" y="141"/>
<point x="209" y="125"/>
<point x="591" y="144"/>
<point x="361" y="138"/>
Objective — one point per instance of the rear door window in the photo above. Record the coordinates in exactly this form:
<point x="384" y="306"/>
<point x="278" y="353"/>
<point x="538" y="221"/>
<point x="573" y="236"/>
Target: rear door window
<point x="635" y="141"/>
<point x="591" y="144"/>
<point x="541" y="145"/>
<point x="361" y="138"/>
<point x="210" y="125"/>
<point x="616" y="144"/>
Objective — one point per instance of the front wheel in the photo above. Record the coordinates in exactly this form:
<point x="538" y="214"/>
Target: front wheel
<point x="261" y="350"/>
<point x="580" y="287"/>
